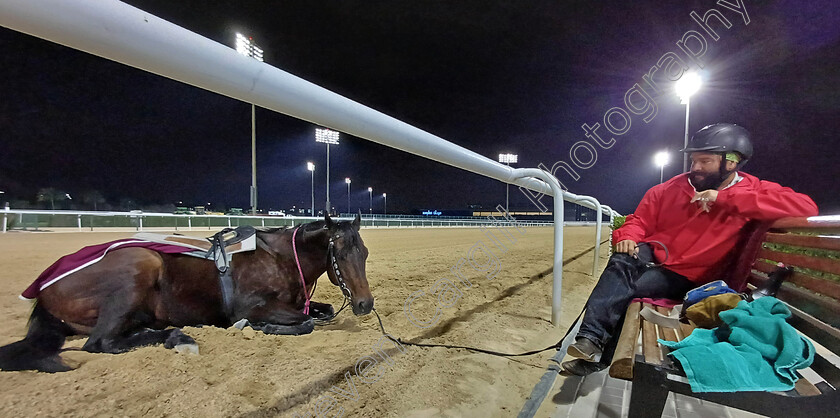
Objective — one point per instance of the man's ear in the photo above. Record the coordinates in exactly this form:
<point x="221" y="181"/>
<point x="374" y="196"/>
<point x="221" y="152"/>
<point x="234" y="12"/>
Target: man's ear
<point x="730" y="165"/>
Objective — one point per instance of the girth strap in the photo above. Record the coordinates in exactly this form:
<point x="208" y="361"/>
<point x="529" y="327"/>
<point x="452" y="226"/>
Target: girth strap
<point x="223" y="262"/>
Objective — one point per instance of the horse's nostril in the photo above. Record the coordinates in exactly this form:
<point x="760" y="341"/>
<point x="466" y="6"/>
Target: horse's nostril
<point x="365" y="305"/>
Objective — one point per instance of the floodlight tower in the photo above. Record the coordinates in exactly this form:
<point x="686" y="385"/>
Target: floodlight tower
<point x="311" y="167"/>
<point x="385" y="195"/>
<point x="370" y="195"/>
<point x="329" y="137"/>
<point x="347" y="180"/>
<point x="508" y="159"/>
<point x="661" y="159"/>
<point x="246" y="46"/>
<point x="686" y="86"/>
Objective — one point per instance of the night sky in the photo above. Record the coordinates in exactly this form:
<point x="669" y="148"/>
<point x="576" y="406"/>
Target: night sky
<point x="492" y="76"/>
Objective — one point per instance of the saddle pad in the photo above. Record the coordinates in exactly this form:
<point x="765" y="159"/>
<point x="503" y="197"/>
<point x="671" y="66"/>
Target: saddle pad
<point x="248" y="244"/>
<point x="87" y="256"/>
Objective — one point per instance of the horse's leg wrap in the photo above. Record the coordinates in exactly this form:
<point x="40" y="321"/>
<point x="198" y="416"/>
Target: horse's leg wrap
<point x="170" y="338"/>
<point x="319" y="310"/>
<point x="305" y="327"/>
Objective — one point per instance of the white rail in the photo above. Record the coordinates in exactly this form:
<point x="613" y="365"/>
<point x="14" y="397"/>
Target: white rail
<point x="82" y="220"/>
<point x="119" y="32"/>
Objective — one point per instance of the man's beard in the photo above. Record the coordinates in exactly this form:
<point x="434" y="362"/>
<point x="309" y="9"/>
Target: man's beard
<point x="709" y="181"/>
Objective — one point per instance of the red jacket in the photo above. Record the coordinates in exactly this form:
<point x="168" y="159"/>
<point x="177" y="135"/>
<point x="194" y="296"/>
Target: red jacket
<point x="699" y="241"/>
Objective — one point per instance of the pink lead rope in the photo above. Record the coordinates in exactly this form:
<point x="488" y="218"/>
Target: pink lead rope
<point x="302" y="281"/>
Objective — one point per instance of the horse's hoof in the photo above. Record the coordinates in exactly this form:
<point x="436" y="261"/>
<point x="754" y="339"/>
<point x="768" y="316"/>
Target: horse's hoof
<point x="186" y="349"/>
<point x="177" y="338"/>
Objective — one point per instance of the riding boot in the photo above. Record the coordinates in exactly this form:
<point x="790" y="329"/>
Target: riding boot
<point x="774" y="282"/>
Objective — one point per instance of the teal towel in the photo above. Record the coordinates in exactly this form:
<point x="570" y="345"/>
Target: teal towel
<point x="754" y="350"/>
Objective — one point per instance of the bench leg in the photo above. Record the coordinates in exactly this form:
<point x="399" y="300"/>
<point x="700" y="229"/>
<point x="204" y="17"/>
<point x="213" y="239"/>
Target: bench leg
<point x="648" y="395"/>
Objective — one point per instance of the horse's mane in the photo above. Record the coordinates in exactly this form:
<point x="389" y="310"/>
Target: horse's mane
<point x="270" y="229"/>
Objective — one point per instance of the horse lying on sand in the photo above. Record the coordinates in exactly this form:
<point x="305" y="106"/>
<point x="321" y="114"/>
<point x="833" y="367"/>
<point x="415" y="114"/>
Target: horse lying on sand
<point x="130" y="297"/>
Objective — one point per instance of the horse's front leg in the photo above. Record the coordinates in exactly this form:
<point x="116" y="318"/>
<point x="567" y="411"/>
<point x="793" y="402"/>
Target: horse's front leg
<point x="281" y="322"/>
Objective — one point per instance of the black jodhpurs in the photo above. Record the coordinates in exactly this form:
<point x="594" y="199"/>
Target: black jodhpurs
<point x="625" y="278"/>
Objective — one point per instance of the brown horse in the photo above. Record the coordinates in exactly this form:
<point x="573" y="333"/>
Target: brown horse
<point x="130" y="297"/>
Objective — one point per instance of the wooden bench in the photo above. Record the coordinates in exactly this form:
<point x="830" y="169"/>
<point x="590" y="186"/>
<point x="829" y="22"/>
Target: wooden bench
<point x="812" y="247"/>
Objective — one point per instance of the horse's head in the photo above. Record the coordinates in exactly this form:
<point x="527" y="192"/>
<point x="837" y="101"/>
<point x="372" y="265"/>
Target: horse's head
<point x="346" y="256"/>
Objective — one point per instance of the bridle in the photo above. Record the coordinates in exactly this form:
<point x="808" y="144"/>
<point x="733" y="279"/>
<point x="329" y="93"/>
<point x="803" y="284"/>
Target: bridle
<point x="332" y="262"/>
<point x="336" y="271"/>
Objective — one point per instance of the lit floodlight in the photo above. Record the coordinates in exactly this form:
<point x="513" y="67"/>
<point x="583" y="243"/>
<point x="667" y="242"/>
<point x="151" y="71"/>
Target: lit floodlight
<point x="687" y="85"/>
<point x="508" y="158"/>
<point x="661" y="159"/>
<point x="310" y="166"/>
<point x="247" y="47"/>
<point x="327" y="136"/>
<point x="370" y="189"/>
<point x="384" y="194"/>
<point x="347" y="180"/>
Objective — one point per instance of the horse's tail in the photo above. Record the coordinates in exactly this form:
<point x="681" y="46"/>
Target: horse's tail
<point x="39" y="350"/>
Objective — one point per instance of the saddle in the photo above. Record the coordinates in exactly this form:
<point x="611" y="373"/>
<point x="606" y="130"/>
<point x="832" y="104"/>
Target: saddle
<point x="219" y="248"/>
<point x="237" y="240"/>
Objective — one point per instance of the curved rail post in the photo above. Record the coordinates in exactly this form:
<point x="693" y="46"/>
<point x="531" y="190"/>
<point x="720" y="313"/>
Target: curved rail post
<point x="557" y="285"/>
<point x="598" y="226"/>
<point x="612" y="214"/>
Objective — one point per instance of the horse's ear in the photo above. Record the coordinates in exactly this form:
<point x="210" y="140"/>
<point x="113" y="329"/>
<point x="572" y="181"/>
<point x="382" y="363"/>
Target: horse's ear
<point x="328" y="223"/>
<point x="357" y="223"/>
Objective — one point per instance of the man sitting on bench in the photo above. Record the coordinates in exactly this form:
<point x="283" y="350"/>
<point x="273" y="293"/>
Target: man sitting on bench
<point x="679" y="236"/>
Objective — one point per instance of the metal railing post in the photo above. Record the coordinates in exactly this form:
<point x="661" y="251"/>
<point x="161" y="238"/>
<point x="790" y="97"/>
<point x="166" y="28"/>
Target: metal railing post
<point x="557" y="286"/>
<point x="598" y="226"/>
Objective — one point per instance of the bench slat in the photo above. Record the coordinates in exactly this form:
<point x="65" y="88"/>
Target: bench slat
<point x="668" y="334"/>
<point x="685" y="330"/>
<point x="821" y="264"/>
<point x="625" y="352"/>
<point x="650" y="348"/>
<point x="823" y="286"/>
<point x="806" y="388"/>
<point x="825" y="226"/>
<point x="810" y="241"/>
<point x="826" y="369"/>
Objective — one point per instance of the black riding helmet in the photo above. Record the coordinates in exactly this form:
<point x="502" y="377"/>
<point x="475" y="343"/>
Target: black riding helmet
<point x="722" y="138"/>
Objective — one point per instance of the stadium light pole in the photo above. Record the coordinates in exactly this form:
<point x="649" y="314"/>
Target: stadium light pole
<point x="311" y="167"/>
<point x="385" y="195"/>
<point x="247" y="47"/>
<point x="508" y="159"/>
<point x="329" y="137"/>
<point x="686" y="86"/>
<point x="661" y="159"/>
<point x="370" y="193"/>
<point x="347" y="180"/>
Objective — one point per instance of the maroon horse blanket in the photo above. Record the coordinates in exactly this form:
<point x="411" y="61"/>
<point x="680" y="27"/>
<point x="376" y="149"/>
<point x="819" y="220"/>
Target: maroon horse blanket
<point x="87" y="256"/>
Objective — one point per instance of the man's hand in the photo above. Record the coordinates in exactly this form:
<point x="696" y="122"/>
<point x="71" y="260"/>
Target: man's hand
<point x="627" y="246"/>
<point x="705" y="199"/>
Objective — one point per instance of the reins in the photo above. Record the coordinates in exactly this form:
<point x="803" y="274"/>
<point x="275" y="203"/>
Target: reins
<point x="306" y="295"/>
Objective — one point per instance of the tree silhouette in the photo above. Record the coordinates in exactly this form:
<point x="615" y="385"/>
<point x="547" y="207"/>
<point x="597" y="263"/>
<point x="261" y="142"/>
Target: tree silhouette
<point x="51" y="195"/>
<point x="93" y="197"/>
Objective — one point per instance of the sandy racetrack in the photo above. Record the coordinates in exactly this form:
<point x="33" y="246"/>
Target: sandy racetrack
<point x="252" y="374"/>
